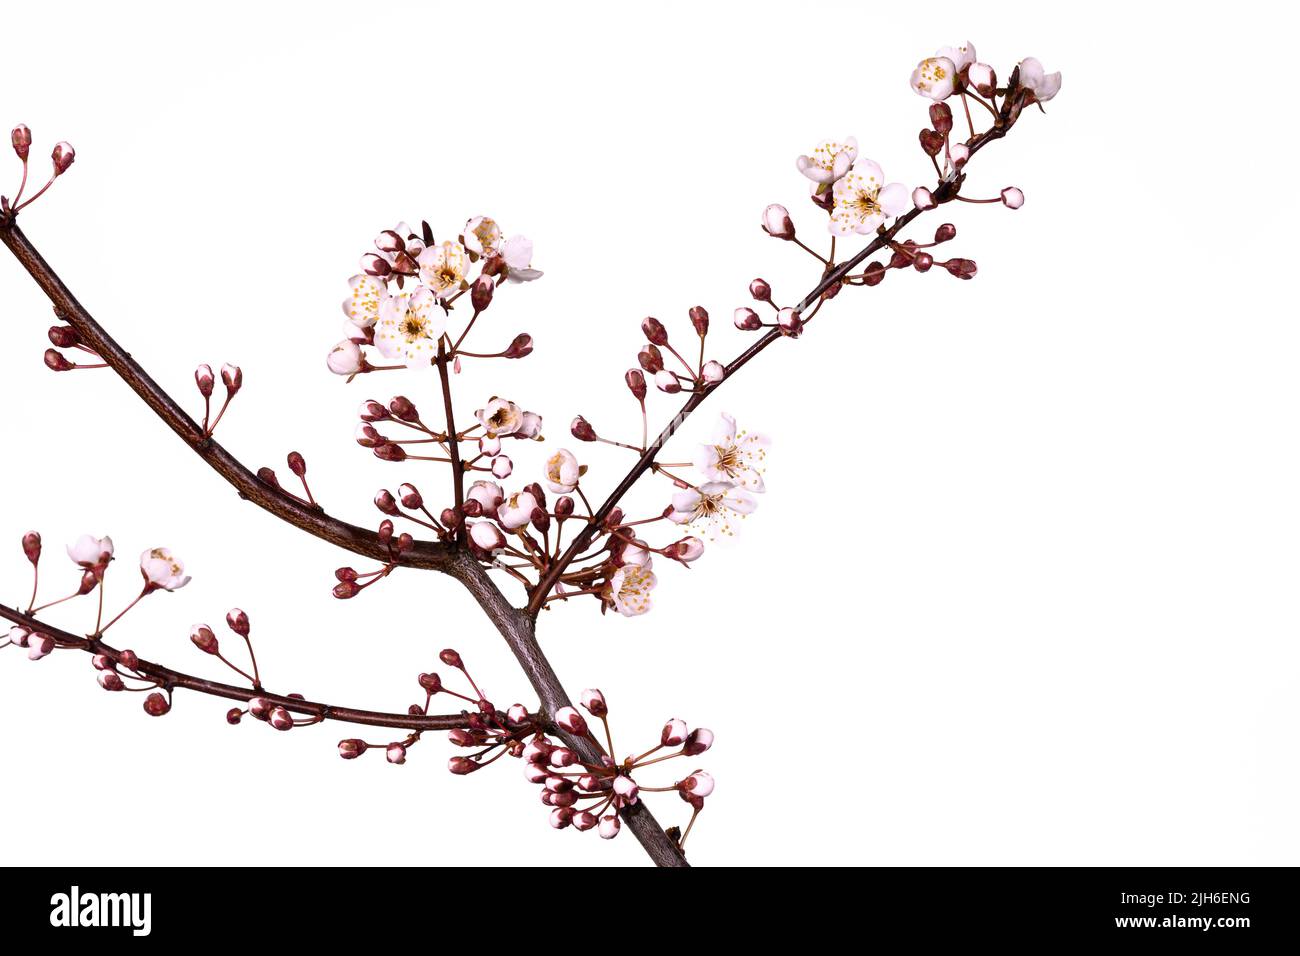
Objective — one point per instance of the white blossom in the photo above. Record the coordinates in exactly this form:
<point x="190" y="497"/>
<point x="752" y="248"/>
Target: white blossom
<point x="362" y="306"/>
<point x="517" y="510"/>
<point x="91" y="552"/>
<point x="409" y="327"/>
<point x="628" y="591"/>
<point x="562" y="472"/>
<point x="345" y="358"/>
<point x="1043" y="85"/>
<point x="442" y="267"/>
<point x="713" y="505"/>
<point x="500" y="417"/>
<point x="934" y="77"/>
<point x="734" y="456"/>
<point x="961" y="56"/>
<point x="863" y="201"/>
<point x="162" y="569"/>
<point x="482" y="236"/>
<point x="829" y="161"/>
<point x="517" y="253"/>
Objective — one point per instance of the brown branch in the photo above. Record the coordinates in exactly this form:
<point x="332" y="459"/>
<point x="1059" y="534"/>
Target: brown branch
<point x="171" y="680"/>
<point x="425" y="554"/>
<point x="944" y="191"/>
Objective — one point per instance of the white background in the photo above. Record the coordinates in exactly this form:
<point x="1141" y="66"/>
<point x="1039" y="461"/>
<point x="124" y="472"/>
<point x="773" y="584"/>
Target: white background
<point x="1023" y="586"/>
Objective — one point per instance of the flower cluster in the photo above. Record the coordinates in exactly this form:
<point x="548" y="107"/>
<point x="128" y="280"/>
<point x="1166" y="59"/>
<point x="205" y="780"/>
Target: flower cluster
<point x="61" y="159"/>
<point x="588" y="795"/>
<point x="409" y="326"/>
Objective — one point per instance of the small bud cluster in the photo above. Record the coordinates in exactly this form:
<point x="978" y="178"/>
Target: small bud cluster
<point x="64" y="336"/>
<point x="488" y="732"/>
<point x="202" y="637"/>
<point x="588" y="795"/>
<point x="232" y="379"/>
<point x="61" y="159"/>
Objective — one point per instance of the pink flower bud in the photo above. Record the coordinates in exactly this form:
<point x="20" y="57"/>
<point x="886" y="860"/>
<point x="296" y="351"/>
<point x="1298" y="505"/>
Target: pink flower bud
<point x="372" y="411"/>
<point x="385" y="502"/>
<point x="517" y="714"/>
<point x="698" y="784"/>
<point x="654" y="330"/>
<point x="777" y="222"/>
<point x="281" y="719"/>
<point x="562" y="757"/>
<point x="63" y="157"/>
<point x="564" y="506"/>
<point x="234" y="715"/>
<point x="581" y="429"/>
<point x="686" y="550"/>
<point x="713" y="372"/>
<point x="101" y="662"/>
<point x="982" y="78"/>
<point x="396" y="753"/>
<point x="21" y="137"/>
<point x="486" y="536"/>
<point x="233" y="378"/>
<point x="699" y="740"/>
<point x="571" y="720"/>
<point x="666" y="381"/>
<point x="204" y="379"/>
<point x="38" y="646"/>
<point x="746" y="319"/>
<point x="561" y="817"/>
<point x="156" y="704"/>
<point x="700" y="319"/>
<point x="1013" y="198"/>
<point x="760" y="290"/>
<point x="128" y="659"/>
<point x="922" y="198"/>
<point x="375" y="265"/>
<point x="535" y="772"/>
<point x="345" y="358"/>
<point x="388" y="451"/>
<point x="352" y="748"/>
<point x="594" y="701"/>
<point x="110" y="681"/>
<point x="32" y="546"/>
<point x="502" y="466"/>
<point x="959" y="154"/>
<point x="626" y="788"/>
<point x="297" y="464"/>
<point x="609" y="826"/>
<point x="790" y="322"/>
<point x="584" y="820"/>
<point x="202" y="637"/>
<point x="461" y="766"/>
<point x="410" y="496"/>
<point x="260" y="708"/>
<point x="674" y="733"/>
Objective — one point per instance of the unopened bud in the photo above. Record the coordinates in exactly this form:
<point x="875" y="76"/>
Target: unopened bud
<point x="790" y="322"/>
<point x="237" y="621"/>
<point x="959" y="154"/>
<point x="760" y="290"/>
<point x="352" y="748"/>
<point x="297" y="464"/>
<point x="234" y="715"/>
<point x="698" y="741"/>
<point x="609" y="826"/>
<point x="777" y="222"/>
<point x="38" y="646"/>
<point x="202" y="637"/>
<point x="666" y="381"/>
<point x="432" y="683"/>
<point x="635" y="383"/>
<point x="55" y="361"/>
<point x="686" y="550"/>
<point x="32" y="546"/>
<point x="375" y="265"/>
<point x="517" y="714"/>
<point x="746" y="319"/>
<point x="480" y="293"/>
<point x="1013" y="198"/>
<point x="940" y="117"/>
<point x="581" y="429"/>
<point x="931" y="142"/>
<point x="110" y="681"/>
<point x="520" y="347"/>
<point x="982" y="77"/>
<point x="389" y="452"/>
<point x="700" y="319"/>
<point x="572" y="721"/>
<point x="155" y="705"/>
<point x="650" y="359"/>
<point x="21" y="137"/>
<point x="404" y="409"/>
<point x="203" y="378"/>
<point x="63" y="157"/>
<point x="564" y="506"/>
<point x="451" y="658"/>
<point x="66" y="337"/>
<point x="713" y="372"/>
<point x="961" y="268"/>
<point x="385" y="502"/>
<point x="923" y="199"/>
<point x="410" y="496"/>
<point x="233" y="378"/>
<point x="654" y="330"/>
<point x="280" y="719"/>
<point x="486" y="536"/>
<point x="461" y="766"/>
<point x="873" y="274"/>
<point x="674" y="733"/>
<point x="396" y="753"/>
<point x="594" y="701"/>
<point x="372" y="411"/>
<point x="945" y="232"/>
<point x="346" y="589"/>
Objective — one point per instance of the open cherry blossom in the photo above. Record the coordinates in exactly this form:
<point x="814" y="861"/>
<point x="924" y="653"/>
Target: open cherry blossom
<point x="362" y="306"/>
<point x="562" y="471"/>
<point x="90" y="552"/>
<point x="162" y="570"/>
<point x="714" y="505"/>
<point x="735" y="456"/>
<point x="409" y="327"/>
<point x="628" y="591"/>
<point x="517" y="253"/>
<point x="482" y="236"/>
<point x="961" y="56"/>
<point x="863" y="202"/>
<point x="1043" y="85"/>
<point x="935" y="78"/>
<point x="829" y="161"/>
<point x="442" y="267"/>
<point x="500" y="417"/>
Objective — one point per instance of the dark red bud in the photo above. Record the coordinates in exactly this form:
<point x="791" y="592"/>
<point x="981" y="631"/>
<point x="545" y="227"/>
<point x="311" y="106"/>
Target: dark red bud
<point x="21" y="137"/>
<point x="405" y="542"/>
<point x="63" y="157"/>
<point x="385" y="502"/>
<point x="155" y="705"/>
<point x="32" y="546"/>
<point x="961" y="268"/>
<point x="614" y="519"/>
<point x="650" y="359"/>
<point x="923" y="262"/>
<point x="760" y="290"/>
<point x="233" y="378"/>
<point x="700" y="319"/>
<point x="480" y="293"/>
<point x="385" y="532"/>
<point x="238" y="622"/>
<point x="945" y="232"/>
<point x="582" y="430"/>
<point x="654" y="330"/>
<point x="390" y="452"/>
<point x="635" y="383"/>
<point x="411" y="497"/>
<point x="450" y="518"/>
<point x="451" y="658"/>
<point x="403" y="408"/>
<point x="66" y="337"/>
<point x="205" y="640"/>
<point x="940" y="117"/>
<point x="461" y="766"/>
<point x="128" y="659"/>
<point x="267" y="476"/>
<point x="55" y="361"/>
<point x="352" y="748"/>
<point x="375" y="265"/>
<point x="931" y="142"/>
<point x="564" y="506"/>
<point x="346" y="574"/>
<point x="873" y="274"/>
<point x="372" y="411"/>
<point x="234" y="715"/>
<point x="297" y="464"/>
<point x="432" y="683"/>
<point x="521" y="347"/>
<point x="346" y="589"/>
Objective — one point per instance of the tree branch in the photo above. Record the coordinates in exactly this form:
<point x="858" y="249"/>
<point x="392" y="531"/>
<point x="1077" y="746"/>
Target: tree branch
<point x="171" y="680"/>
<point x="424" y="554"/>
